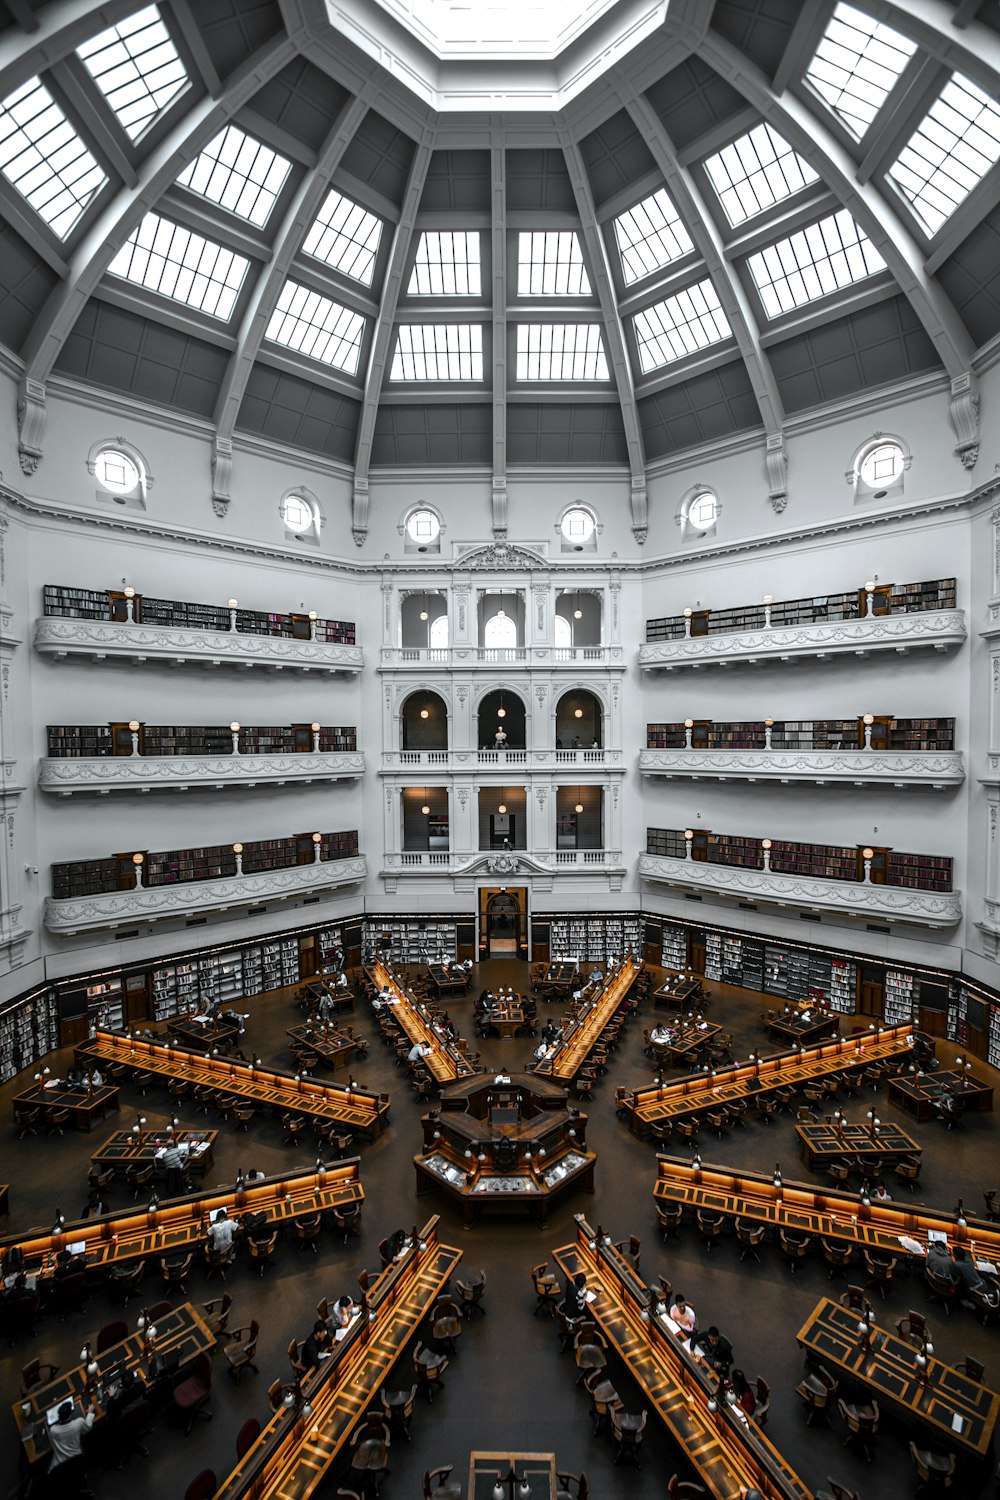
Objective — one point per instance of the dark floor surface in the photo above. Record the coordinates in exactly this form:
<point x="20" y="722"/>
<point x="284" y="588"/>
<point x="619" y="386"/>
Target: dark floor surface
<point x="508" y="1386"/>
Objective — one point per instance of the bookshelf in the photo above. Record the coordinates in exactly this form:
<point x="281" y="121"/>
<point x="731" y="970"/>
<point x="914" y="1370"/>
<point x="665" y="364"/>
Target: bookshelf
<point x="993" y="1038"/>
<point x="408" y="940"/>
<point x="925" y="872"/>
<point x="900" y="598"/>
<point x="596" y="938"/>
<point x="91" y="604"/>
<point x="807" y="734"/>
<point x="29" y="1028"/>
<point x="958" y="1013"/>
<point x="900" y="997"/>
<point x="843" y="986"/>
<point x="72" y="741"/>
<point x="674" y="947"/>
<point x="713" y="956"/>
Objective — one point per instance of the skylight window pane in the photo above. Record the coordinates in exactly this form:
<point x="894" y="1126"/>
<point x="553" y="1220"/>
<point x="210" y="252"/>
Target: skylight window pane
<point x="239" y="174"/>
<point x="681" y="325"/>
<point x="44" y="158"/>
<point x="137" y="69"/>
<point x="182" y="265"/>
<point x="438" y="351"/>
<point x="813" y="263"/>
<point x="855" y="66"/>
<point x="345" y="237"/>
<point x="951" y="150"/>
<point x="560" y="351"/>
<point x="318" y="327"/>
<point x="447" y="264"/>
<point x="650" y="236"/>
<point x="755" y="172"/>
<point x="550" y="264"/>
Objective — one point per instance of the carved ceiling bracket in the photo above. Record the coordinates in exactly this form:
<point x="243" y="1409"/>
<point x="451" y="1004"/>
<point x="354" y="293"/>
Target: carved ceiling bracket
<point x="964" y="413"/>
<point x="30" y="424"/>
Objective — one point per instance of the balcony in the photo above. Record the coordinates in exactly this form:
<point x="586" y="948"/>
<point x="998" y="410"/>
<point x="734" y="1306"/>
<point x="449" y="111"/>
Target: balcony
<point x="854" y="767"/>
<point x="450" y="658"/>
<point x="883" y="903"/>
<point x="395" y="762"/>
<point x="543" y="865"/>
<point x="108" y="910"/>
<point x="820" y="640"/>
<point x="173" y="646"/>
<point x="104" y="774"/>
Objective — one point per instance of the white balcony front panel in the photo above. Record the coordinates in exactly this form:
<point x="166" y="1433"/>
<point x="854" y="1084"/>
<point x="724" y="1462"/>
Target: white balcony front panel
<point x="938" y="630"/>
<point x="103" y="774"/>
<point x="854" y="768"/>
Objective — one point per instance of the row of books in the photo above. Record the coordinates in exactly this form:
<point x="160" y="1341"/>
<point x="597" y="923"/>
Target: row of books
<point x="926" y="872"/>
<point x="805" y="734"/>
<point x="75" y="878"/>
<point x="407" y="940"/>
<point x="92" y="604"/>
<point x="595" y="938"/>
<point x="900" y="598"/>
<point x="98" y="741"/>
<point x="29" y="1028"/>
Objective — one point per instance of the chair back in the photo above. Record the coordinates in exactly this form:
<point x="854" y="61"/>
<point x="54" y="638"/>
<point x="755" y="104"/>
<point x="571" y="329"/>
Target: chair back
<point x="248" y="1435"/>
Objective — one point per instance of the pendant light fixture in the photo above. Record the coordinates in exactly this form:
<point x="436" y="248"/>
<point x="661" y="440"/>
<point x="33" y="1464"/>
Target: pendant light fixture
<point x="501" y="711"/>
<point x="425" y="809"/>
<point x="579" y="805"/>
<point x="502" y="805"/>
<point x="425" y="613"/>
<point x="501" y="615"/>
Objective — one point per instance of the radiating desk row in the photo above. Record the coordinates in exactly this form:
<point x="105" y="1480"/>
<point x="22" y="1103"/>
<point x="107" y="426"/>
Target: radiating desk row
<point x="325" y="1103"/>
<point x="296" y="1450"/>
<point x="579" y="1039"/>
<point x="445" y="1061"/>
<point x="920" y="1094"/>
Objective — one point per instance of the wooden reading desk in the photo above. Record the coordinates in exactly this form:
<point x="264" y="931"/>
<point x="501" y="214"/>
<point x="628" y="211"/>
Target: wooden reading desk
<point x="821" y="1144"/>
<point x="325" y="1103"/>
<point x="805" y="1026"/>
<point x="680" y="991"/>
<point x="726" y="1449"/>
<point x="176" y="1226"/>
<point x="568" y="1056"/>
<point x="824" y="1213"/>
<point x="295" y="1452"/>
<point x="918" y="1093"/>
<point x="84" y="1105"/>
<point x="181" y="1335"/>
<point x="124" y="1149"/>
<point x="204" y="1033"/>
<point x="446" y="1061"/>
<point x="333" y="1048"/>
<point x="656" y="1105"/>
<point x="689" y="1038"/>
<point x="316" y="989"/>
<point x="886" y="1368"/>
<point x="537" y="1470"/>
<point x="448" y="981"/>
<point x="505" y="1017"/>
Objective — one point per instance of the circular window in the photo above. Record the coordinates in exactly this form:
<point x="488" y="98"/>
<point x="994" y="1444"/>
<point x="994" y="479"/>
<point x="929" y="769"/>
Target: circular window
<point x="703" y="511"/>
<point x="116" y="471"/>
<point x="578" y="526"/>
<point x="297" y="513"/>
<point x="882" y="466"/>
<point x="423" y="527"/>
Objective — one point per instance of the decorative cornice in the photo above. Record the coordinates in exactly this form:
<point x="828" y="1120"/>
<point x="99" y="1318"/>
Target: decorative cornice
<point x="498" y="557"/>
<point x="155" y="903"/>
<point x="931" y="768"/>
<point x="190" y="772"/>
<point x="885" y="902"/>
<point x="939" y="630"/>
<point x="215" y="648"/>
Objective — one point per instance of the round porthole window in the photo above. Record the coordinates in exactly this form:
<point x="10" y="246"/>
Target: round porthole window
<point x="297" y="513"/>
<point x="881" y="467"/>
<point x="116" y="471"/>
<point x="703" y="511"/>
<point x="577" y="526"/>
<point x="423" y="527"/>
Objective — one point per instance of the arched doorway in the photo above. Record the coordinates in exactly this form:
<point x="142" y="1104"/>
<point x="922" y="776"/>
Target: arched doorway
<point x="503" y="922"/>
<point x="424" y="722"/>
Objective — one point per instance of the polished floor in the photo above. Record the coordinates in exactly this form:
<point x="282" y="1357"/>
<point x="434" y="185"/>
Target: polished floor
<point x="508" y="1386"/>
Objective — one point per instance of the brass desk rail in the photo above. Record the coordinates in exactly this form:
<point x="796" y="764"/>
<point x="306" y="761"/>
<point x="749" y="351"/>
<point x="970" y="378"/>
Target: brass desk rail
<point x="296" y="1450"/>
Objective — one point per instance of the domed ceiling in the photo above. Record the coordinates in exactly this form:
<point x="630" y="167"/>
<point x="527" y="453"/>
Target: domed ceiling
<point x="420" y="232"/>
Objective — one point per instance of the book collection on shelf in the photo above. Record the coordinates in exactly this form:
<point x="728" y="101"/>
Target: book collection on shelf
<point x="179" y="866"/>
<point x="958" y="1014"/>
<point x="900" y="997"/>
<point x="408" y="940"/>
<point x="93" y="604"/>
<point x="29" y="1028"/>
<point x="230" y="975"/>
<point x="70" y="741"/>
<point x="595" y="938"/>
<point x="993" y="1038"/>
<point x="674" y="947"/>
<point x="924" y="872"/>
<point x="805" y="734"/>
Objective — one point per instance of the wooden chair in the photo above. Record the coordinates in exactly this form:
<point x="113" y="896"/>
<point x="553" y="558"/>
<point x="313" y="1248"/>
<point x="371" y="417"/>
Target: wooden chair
<point x="293" y="1126"/>
<point x="913" y="1327"/>
<point x="447" y="1323"/>
<point x="370" y="1451"/>
<point x="437" y="1485"/>
<point x="668" y="1218"/>
<point x="880" y="1272"/>
<point x="628" y="1431"/>
<point x="683" y="1489"/>
<point x="629" y="1250"/>
<point x="934" y="1471"/>
<point x="862" y="1426"/>
<point x="347" y="1220"/>
<point x="125" y="1280"/>
<point x="261" y="1249"/>
<point x="546" y="1288"/>
<point x="35" y="1374"/>
<point x="590" y="1352"/>
<point x="941" y="1289"/>
<point x="838" y="1173"/>
<point x="854" y="1298"/>
<point x="398" y="1407"/>
<point x="216" y="1314"/>
<point x="217" y="1258"/>
<point x="191" y="1397"/>
<point x="837" y="1257"/>
<point x="274" y="1395"/>
<point x="794" y="1247"/>
<point x="972" y="1369"/>
<point x="299" y="1370"/>
<point x="307" y="1232"/>
<point x="98" y="1179"/>
<point x="175" y="1270"/>
<point x="837" y="1492"/>
<point x="429" y="1367"/>
<point x="246" y="1437"/>
<point x="750" y="1238"/>
<point x="817" y="1391"/>
<point x="241" y="1350"/>
<point x="908" y="1172"/>
<point x="990" y="1198"/>
<point x="604" y="1399"/>
<point x="138" y="1178"/>
<point x="763" y="1408"/>
<point x="710" y="1227"/>
<point x="471" y="1294"/>
<point x="986" y="1300"/>
<point x="572" y="1487"/>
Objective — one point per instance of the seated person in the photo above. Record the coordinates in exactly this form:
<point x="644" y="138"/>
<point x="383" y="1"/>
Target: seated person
<point x="743" y="1392"/>
<point x="663" y="1036"/>
<point x="682" y="1313"/>
<point x="95" y="1205"/>
<point x="940" y="1262"/>
<point x="343" y="1312"/>
<point x="715" y="1349"/>
<point x="575" y="1298"/>
<point x="550" y="1033"/>
<point x="417" y="1052"/>
<point x="964" y="1269"/>
<point x="880" y="1195"/>
<point x="220" y="1231"/>
<point x="395" y="1245"/>
<point x="317" y="1346"/>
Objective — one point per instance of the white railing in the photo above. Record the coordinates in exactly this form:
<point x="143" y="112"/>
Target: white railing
<point x="502" y="757"/>
<point x="470" y="655"/>
<point x="935" y="630"/>
<point x="527" y="860"/>
<point x="113" y="773"/>
<point x="102" y="640"/>
<point x="852" y="767"/>
<point x="462" y="761"/>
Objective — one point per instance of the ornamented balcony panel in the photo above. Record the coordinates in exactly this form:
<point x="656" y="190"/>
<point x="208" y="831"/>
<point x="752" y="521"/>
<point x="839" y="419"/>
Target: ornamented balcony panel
<point x="101" y="640"/>
<point x="879" y="902"/>
<point x="855" y="768"/>
<point x="396" y="762"/>
<point x="102" y="775"/>
<point x="543" y="865"/>
<point x="450" y="658"/>
<point x="938" y="630"/>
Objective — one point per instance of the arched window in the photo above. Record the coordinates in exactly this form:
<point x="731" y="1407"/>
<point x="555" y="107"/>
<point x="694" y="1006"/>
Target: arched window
<point x="122" y="474"/>
<point x="421" y="528"/>
<point x="439" y="633"/>
<point x="300" y="513"/>
<point x="563" y="631"/>
<point x="577" y="527"/>
<point x="500" y="631"/>
<point x="878" y="468"/>
<point x="699" y="512"/>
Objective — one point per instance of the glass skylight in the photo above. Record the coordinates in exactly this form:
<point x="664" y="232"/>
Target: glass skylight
<point x="137" y="68"/>
<point x="812" y="263"/>
<point x="755" y="172"/>
<point x="951" y="150"/>
<point x="317" y="326"/>
<point x="345" y="237"/>
<point x="447" y="264"/>
<point x="855" y="66"/>
<point x="239" y="174"/>
<point x="560" y="351"/>
<point x="182" y="265"/>
<point x="550" y="264"/>
<point x="680" y="325"/>
<point x="650" y="236"/>
<point x="44" y="158"/>
<point x="438" y="351"/>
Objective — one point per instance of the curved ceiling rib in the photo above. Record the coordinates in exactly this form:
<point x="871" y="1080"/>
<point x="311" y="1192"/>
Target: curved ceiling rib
<point x="974" y="50"/>
<point x="102" y="242"/>
<point x="613" y="332"/>
<point x="384" y="330"/>
<point x="498" y="226"/>
<point x="58" y="31"/>
<point x="301" y="212"/>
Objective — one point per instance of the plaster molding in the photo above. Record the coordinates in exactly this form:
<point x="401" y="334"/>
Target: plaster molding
<point x="13" y="938"/>
<point x="448" y="658"/>
<point x="606" y="862"/>
<point x="849" y="898"/>
<point x="498" y="557"/>
<point x="855" y="767"/>
<point x="101" y="639"/>
<point x="156" y="903"/>
<point x="192" y="772"/>
<point x="501" y="762"/>
<point x="938" y="629"/>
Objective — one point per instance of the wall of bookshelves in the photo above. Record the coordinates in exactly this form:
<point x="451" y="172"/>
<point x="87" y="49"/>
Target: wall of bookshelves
<point x="97" y="604"/>
<point x="74" y="741"/>
<point x="595" y="938"/>
<point x="804" y="734"/>
<point x="993" y="1039"/>
<point x="901" y="997"/>
<point x="408" y="940"/>
<point x="925" y="872"/>
<point x="29" y="1028"/>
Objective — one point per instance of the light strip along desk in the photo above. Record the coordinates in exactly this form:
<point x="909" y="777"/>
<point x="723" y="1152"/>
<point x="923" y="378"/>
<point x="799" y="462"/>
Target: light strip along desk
<point x="294" y="1451"/>
<point x="446" y="1061"/>
<point x="825" y="1213"/>
<point x="571" y="1052"/>
<point x="886" y="1367"/>
<point x="325" y="1103"/>
<point x="656" y="1105"/>
<point x="178" y="1224"/>
<point x="727" y="1450"/>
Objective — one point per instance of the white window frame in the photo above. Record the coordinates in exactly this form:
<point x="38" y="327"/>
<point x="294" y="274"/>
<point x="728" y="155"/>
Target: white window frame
<point x="865" y="491"/>
<point x="411" y="544"/>
<point x="133" y="499"/>
<point x="311" y="533"/>
<point x="566" y="543"/>
<point x="690" y="530"/>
